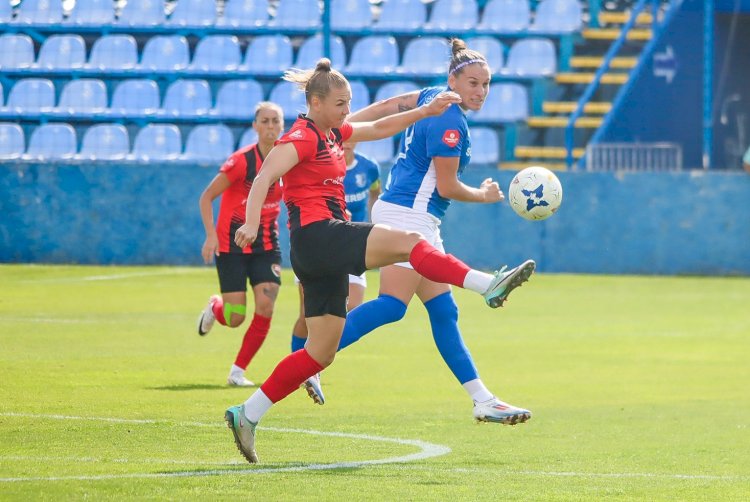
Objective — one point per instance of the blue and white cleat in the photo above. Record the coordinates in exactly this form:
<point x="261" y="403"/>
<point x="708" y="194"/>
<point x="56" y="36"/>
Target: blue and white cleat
<point x="243" y="431"/>
<point x="499" y="412"/>
<point x="314" y="390"/>
<point x="505" y="282"/>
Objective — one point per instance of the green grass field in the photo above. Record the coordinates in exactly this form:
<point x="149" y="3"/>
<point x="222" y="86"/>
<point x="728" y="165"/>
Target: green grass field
<point x="639" y="388"/>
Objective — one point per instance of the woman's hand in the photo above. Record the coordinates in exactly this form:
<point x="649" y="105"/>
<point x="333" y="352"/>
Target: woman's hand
<point x="210" y="249"/>
<point x="440" y="103"/>
<point x="245" y="235"/>
<point x="491" y="191"/>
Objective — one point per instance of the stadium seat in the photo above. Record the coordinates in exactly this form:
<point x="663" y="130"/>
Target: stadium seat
<point x="83" y="97"/>
<point x="289" y="98"/>
<point x="350" y="14"/>
<point x="268" y="54"/>
<point x="297" y="14"/>
<point x="453" y="14"/>
<point x="92" y="12"/>
<point x="209" y="143"/>
<point x="401" y="15"/>
<point x="11" y="141"/>
<point x="42" y="12"/>
<point x="114" y="52"/>
<point x="506" y="102"/>
<point x="105" y="142"/>
<point x="390" y="89"/>
<point x="52" y="142"/>
<point x="360" y="95"/>
<point x="143" y="13"/>
<point x="137" y="97"/>
<point x="381" y="151"/>
<point x="244" y="14"/>
<point x="491" y="48"/>
<point x="373" y="55"/>
<point x="165" y="53"/>
<point x="485" y="145"/>
<point x="237" y="99"/>
<point x="2" y="96"/>
<point x="532" y="57"/>
<point x="32" y="95"/>
<point x="216" y="53"/>
<point x="425" y="56"/>
<point x="248" y="137"/>
<point x="312" y="50"/>
<point x="505" y="16"/>
<point x="6" y="12"/>
<point x="187" y="98"/>
<point x="62" y="52"/>
<point x="158" y="142"/>
<point x="16" y="51"/>
<point x="557" y="16"/>
<point x="193" y="13"/>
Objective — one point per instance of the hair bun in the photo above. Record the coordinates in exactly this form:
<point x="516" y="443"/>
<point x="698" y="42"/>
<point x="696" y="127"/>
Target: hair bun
<point x="457" y="45"/>
<point x="324" y="64"/>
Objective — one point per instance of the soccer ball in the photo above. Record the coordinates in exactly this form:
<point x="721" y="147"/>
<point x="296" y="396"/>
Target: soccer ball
<point x="535" y="193"/>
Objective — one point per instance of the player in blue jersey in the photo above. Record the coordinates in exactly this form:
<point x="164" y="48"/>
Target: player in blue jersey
<point x="425" y="178"/>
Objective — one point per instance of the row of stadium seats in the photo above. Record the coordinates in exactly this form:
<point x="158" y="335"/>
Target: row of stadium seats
<point x="500" y="16"/>
<point x="34" y="99"/>
<point x="269" y="54"/>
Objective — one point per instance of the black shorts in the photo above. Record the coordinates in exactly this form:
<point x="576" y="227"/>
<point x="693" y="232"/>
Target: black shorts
<point x="323" y="255"/>
<point x="235" y="269"/>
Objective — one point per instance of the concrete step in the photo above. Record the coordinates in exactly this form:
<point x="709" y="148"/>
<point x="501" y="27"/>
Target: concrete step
<point x="582" y="122"/>
<point x="521" y="164"/>
<point x="596" y="62"/>
<point x="623" y="17"/>
<point x="613" y="33"/>
<point x="546" y="152"/>
<point x="600" y="107"/>
<point x="587" y="78"/>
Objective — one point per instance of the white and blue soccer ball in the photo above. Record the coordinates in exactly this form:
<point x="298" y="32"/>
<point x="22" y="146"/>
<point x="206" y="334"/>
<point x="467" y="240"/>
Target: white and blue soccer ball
<point x="535" y="193"/>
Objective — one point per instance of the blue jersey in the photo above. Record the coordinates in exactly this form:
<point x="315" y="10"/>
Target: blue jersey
<point x="412" y="181"/>
<point x="359" y="178"/>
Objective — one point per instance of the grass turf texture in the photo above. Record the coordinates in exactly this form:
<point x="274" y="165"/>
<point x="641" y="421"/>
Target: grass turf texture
<point x="638" y="387"/>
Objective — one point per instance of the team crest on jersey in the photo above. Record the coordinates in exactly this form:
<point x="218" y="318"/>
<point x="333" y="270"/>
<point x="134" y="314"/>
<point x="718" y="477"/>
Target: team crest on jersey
<point x="296" y="134"/>
<point x="451" y="137"/>
<point x="360" y="179"/>
<point x="276" y="269"/>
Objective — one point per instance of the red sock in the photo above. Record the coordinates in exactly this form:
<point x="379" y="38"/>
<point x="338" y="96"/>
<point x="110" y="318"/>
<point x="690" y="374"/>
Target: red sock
<point x="436" y="266"/>
<point x="289" y="375"/>
<point x="218" y="309"/>
<point x="254" y="338"/>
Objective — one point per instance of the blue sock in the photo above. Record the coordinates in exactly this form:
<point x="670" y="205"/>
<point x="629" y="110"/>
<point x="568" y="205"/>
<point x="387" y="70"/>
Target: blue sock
<point x="382" y="310"/>
<point x="298" y="343"/>
<point x="443" y="314"/>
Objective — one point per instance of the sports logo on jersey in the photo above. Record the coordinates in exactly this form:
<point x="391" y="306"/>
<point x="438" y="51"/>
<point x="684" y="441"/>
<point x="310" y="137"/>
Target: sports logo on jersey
<point x="296" y="134"/>
<point x="451" y="137"/>
<point x="360" y="179"/>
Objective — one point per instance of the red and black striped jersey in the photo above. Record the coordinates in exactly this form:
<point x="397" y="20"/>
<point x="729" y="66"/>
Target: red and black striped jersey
<point x="314" y="188"/>
<point x="241" y="168"/>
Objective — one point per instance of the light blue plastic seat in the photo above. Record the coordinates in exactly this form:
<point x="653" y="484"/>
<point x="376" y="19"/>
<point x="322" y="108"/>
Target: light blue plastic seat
<point x="136" y="97"/>
<point x="289" y="98"/>
<point x="312" y="50"/>
<point x="40" y="12"/>
<point x="105" y="142"/>
<point x="6" y="11"/>
<point x="187" y="98"/>
<point x="244" y="14"/>
<point x="350" y="14"/>
<point x="248" y="137"/>
<point x="12" y="141"/>
<point x="216" y="53"/>
<point x="425" y="56"/>
<point x="401" y="15"/>
<point x="32" y="96"/>
<point x="209" y="143"/>
<point x="395" y="88"/>
<point x="297" y="14"/>
<point x="142" y="13"/>
<point x="505" y="16"/>
<point x="557" y="16"/>
<point x="360" y="95"/>
<point x="237" y="99"/>
<point x="506" y="103"/>
<point x="268" y="54"/>
<point x="373" y="55"/>
<point x="381" y="151"/>
<point x="193" y="13"/>
<point x="16" y="51"/>
<point x="532" y="57"/>
<point x="114" y="52"/>
<point x="92" y="12"/>
<point x="165" y="53"/>
<point x="62" y="52"/>
<point x="453" y="15"/>
<point x="2" y="96"/>
<point x="485" y="145"/>
<point x="83" y="97"/>
<point x="157" y="142"/>
<point x="491" y="48"/>
<point x="52" y="141"/>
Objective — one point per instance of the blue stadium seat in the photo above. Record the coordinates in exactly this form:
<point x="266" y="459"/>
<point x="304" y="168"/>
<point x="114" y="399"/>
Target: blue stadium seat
<point x="350" y="14"/>
<point x="297" y="14"/>
<point x="62" y="52"/>
<point x="83" y="97"/>
<point x="6" y="11"/>
<point x="360" y="95"/>
<point x="16" y="51"/>
<point x="425" y="56"/>
<point x="312" y="50"/>
<point x="491" y="48"/>
<point x="401" y="15"/>
<point x="453" y="14"/>
<point x="268" y="54"/>
<point x="143" y="13"/>
<point x="216" y="53"/>
<point x="248" y="137"/>
<point x="11" y="141"/>
<point x="2" y="96"/>
<point x="209" y="143"/>
<point x="557" y="16"/>
<point x="237" y="99"/>
<point x="390" y="89"/>
<point x="165" y="53"/>
<point x="381" y="151"/>
<point x="532" y="57"/>
<point x="485" y="145"/>
<point x="137" y="97"/>
<point x="289" y="98"/>
<point x="193" y="13"/>
<point x="506" y="102"/>
<point x="105" y="142"/>
<point x="32" y="95"/>
<point x="505" y="16"/>
<point x="373" y="55"/>
<point x="114" y="52"/>
<point x="41" y="12"/>
<point x="93" y="12"/>
<point x="52" y="141"/>
<point x="157" y="142"/>
<point x="244" y="14"/>
<point x="187" y="98"/>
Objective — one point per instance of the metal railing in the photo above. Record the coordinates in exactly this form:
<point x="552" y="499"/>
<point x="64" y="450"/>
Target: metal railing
<point x="634" y="157"/>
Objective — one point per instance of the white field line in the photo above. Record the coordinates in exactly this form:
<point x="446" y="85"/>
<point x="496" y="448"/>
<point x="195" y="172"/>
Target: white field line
<point x="114" y="277"/>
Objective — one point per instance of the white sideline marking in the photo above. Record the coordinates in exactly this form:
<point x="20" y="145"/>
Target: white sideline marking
<point x="113" y="277"/>
<point x="427" y="450"/>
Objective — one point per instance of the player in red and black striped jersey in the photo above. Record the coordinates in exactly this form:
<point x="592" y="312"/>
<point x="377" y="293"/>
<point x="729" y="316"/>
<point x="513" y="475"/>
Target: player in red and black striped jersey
<point x="259" y="262"/>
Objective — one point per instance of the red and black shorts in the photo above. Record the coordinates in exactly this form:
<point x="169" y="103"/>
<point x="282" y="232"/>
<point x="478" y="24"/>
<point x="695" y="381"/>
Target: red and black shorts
<point x="235" y="269"/>
<point x="323" y="254"/>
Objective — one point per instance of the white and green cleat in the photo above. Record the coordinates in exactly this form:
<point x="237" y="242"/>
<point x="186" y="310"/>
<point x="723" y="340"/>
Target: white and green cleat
<point x="505" y="282"/>
<point x="243" y="431"/>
